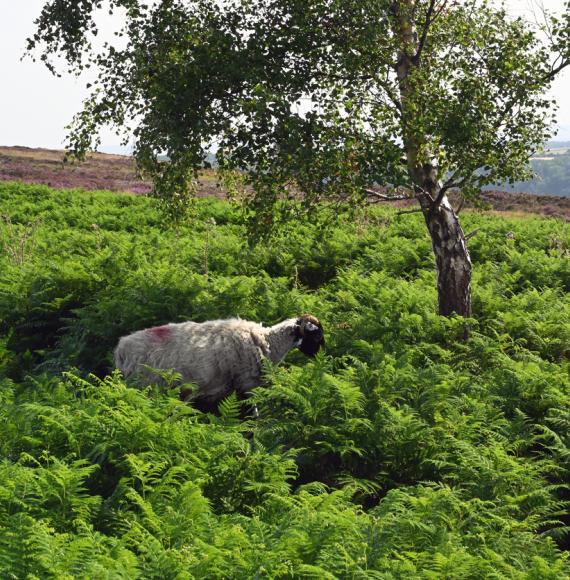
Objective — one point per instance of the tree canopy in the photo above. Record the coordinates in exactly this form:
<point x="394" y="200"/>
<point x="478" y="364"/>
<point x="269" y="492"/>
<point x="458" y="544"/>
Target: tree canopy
<point x="308" y="92"/>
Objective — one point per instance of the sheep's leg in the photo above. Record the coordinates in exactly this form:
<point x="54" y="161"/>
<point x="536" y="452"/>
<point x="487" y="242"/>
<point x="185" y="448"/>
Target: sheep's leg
<point x="248" y="411"/>
<point x="243" y="384"/>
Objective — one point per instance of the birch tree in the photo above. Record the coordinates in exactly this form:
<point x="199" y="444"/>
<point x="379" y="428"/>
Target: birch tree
<point x="321" y="101"/>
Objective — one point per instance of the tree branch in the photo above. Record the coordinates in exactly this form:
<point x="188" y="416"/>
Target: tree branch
<point x="460" y="206"/>
<point x="451" y="181"/>
<point x="384" y="197"/>
<point x="557" y="69"/>
<point x="425" y="30"/>
<point x="441" y="194"/>
<point x="421" y="192"/>
<point x="408" y="211"/>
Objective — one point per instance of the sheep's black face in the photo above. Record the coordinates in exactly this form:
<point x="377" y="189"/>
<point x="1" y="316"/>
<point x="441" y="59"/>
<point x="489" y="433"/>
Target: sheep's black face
<point x="311" y="335"/>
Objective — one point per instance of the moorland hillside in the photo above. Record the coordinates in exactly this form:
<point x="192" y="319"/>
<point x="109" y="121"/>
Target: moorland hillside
<point x="103" y="171"/>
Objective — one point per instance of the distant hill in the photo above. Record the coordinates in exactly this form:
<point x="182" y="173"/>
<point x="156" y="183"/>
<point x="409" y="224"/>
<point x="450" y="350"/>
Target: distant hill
<point x="99" y="171"/>
<point x="557" y="144"/>
<point x="46" y="166"/>
<point x="552" y="168"/>
<point x="118" y="173"/>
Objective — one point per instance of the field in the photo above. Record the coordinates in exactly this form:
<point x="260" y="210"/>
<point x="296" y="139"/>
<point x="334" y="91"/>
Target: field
<point x="99" y="171"/>
<point x="400" y="452"/>
<point x="118" y="173"/>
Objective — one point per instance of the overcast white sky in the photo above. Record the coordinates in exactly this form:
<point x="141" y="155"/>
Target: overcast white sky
<point x="35" y="107"/>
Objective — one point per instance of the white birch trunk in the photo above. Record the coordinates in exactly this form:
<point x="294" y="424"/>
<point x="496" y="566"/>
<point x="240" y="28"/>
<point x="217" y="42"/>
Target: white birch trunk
<point x="453" y="263"/>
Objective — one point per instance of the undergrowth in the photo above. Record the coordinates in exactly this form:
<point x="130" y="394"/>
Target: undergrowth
<point x="401" y="452"/>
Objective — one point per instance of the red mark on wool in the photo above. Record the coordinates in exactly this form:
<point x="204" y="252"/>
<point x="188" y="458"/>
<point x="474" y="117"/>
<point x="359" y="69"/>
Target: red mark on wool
<point x="159" y="332"/>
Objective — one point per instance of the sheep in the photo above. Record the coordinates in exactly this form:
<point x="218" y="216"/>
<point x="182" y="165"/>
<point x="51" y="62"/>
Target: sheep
<point x="219" y="356"/>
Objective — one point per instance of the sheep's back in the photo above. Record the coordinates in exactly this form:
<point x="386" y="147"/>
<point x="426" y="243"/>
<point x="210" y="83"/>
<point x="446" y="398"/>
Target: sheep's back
<point x="218" y="355"/>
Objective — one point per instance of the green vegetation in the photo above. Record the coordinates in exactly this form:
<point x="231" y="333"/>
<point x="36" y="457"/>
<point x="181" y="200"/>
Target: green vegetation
<point x="401" y="452"/>
<point x="327" y="97"/>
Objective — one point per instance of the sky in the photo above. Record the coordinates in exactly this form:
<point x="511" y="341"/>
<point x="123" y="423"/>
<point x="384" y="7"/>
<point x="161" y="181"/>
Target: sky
<point x="35" y="107"/>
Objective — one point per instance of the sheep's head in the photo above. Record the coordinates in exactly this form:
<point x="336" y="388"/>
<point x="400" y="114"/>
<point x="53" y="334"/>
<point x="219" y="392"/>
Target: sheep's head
<point x="310" y="334"/>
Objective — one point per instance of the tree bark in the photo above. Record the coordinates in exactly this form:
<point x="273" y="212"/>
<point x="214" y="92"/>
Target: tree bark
<point x="452" y="258"/>
<point x="453" y="262"/>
